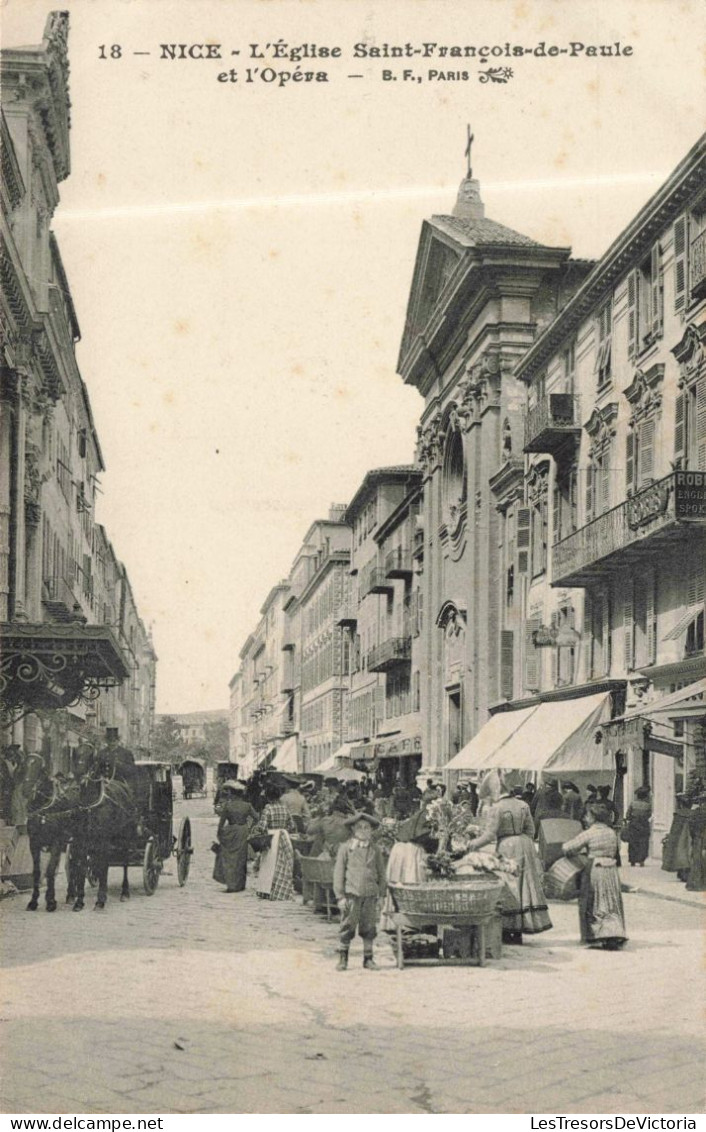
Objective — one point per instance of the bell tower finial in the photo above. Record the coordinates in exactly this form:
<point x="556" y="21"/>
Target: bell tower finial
<point x="469" y="205"/>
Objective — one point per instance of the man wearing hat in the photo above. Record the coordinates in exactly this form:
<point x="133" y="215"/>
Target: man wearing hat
<point x="358" y="881"/>
<point x="236" y="818"/>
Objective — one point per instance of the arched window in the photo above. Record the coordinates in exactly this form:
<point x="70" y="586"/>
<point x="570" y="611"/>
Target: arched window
<point x="454" y="480"/>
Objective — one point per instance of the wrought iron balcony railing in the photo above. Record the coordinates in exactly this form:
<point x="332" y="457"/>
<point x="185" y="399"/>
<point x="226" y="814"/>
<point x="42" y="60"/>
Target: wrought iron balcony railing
<point x="644" y="522"/>
<point x="551" y="421"/>
<point x="398" y="563"/>
<point x="393" y="651"/>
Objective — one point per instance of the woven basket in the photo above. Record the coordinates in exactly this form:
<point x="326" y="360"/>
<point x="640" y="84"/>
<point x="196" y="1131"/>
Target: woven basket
<point x="317" y="870"/>
<point x="471" y="895"/>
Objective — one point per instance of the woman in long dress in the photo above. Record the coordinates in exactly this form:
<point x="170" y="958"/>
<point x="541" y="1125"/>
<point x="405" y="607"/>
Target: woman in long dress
<point x="275" y="876"/>
<point x="236" y="818"/>
<point x="637" y="827"/>
<point x="509" y="826"/>
<point x="601" y="916"/>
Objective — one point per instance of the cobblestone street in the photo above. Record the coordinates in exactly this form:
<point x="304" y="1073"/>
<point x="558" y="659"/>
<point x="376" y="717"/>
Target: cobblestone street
<point x="197" y="1001"/>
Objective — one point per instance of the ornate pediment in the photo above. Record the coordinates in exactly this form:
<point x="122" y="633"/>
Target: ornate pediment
<point x="690" y="352"/>
<point x="437" y="260"/>
<point x="601" y="427"/>
<point x="645" y="393"/>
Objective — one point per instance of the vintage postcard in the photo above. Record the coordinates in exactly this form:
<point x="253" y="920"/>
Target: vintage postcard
<point x="353" y="559"/>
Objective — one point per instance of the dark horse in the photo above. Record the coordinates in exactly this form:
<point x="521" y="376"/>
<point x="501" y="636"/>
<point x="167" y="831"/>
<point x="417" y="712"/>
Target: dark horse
<point x="51" y="818"/>
<point x="104" y="832"/>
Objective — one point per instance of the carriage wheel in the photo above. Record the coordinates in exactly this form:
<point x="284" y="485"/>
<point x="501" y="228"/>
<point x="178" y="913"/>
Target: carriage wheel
<point x="151" y="868"/>
<point x="183" y="851"/>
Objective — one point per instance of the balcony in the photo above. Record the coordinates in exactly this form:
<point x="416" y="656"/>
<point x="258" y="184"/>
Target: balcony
<point x="347" y="616"/>
<point x="644" y="525"/>
<point x="551" y="422"/>
<point x="374" y="581"/>
<point x="398" y="563"/>
<point x="394" y="651"/>
<point x="697" y="265"/>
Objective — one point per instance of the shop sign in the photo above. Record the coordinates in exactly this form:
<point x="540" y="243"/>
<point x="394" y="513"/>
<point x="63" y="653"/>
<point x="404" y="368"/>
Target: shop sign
<point x="622" y="734"/>
<point x="551" y="636"/>
<point x="690" y="495"/>
<point x="646" y="506"/>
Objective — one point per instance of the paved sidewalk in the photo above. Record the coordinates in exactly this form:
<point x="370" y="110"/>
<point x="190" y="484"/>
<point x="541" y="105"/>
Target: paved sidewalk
<point x="653" y="881"/>
<point x="197" y="1001"/>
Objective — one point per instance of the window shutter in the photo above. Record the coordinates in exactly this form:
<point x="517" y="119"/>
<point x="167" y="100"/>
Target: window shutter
<point x="700" y="430"/>
<point x="507" y="656"/>
<point x="587" y="634"/>
<point x="532" y="657"/>
<point x="680" y="430"/>
<point x="628" y="627"/>
<point x="632" y="314"/>
<point x="647" y="451"/>
<point x="378" y="707"/>
<point x="555" y="620"/>
<point x="680" y="236"/>
<point x="630" y="462"/>
<point x="589" y="493"/>
<point x="651" y="617"/>
<point x="556" y="513"/>
<point x="605" y="484"/>
<point x="657" y="297"/>
<point x="523" y="539"/>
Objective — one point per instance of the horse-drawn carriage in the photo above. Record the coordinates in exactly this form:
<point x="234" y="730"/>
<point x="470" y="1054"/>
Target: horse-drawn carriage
<point x="193" y="778"/>
<point x="130" y="825"/>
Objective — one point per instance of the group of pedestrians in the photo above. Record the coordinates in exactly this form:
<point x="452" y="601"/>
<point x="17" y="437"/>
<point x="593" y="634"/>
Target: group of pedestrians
<point x="342" y="824"/>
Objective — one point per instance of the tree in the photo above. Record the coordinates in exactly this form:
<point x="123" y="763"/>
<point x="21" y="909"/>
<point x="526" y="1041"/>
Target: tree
<point x="215" y="746"/>
<point x="167" y="743"/>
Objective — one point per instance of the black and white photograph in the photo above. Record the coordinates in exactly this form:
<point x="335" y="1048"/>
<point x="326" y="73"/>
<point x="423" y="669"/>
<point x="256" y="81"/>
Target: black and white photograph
<point x="352" y="560"/>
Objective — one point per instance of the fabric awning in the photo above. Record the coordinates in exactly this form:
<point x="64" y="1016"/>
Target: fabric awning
<point x="286" y="757"/>
<point x="581" y="752"/>
<point x="546" y="733"/>
<point x="559" y="735"/>
<point x="491" y="736"/>
<point x="688" y="701"/>
<point x="342" y="752"/>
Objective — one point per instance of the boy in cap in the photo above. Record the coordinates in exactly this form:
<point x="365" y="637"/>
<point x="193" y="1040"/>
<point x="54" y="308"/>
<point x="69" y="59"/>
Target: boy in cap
<point x="358" y="881"/>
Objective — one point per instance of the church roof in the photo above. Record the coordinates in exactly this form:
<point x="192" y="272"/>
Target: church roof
<point x="483" y="232"/>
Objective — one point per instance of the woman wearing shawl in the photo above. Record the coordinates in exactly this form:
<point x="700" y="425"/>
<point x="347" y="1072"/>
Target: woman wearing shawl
<point x="274" y="879"/>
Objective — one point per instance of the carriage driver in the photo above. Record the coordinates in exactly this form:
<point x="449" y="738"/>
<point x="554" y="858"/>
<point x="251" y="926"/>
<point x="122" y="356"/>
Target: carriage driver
<point x="115" y="760"/>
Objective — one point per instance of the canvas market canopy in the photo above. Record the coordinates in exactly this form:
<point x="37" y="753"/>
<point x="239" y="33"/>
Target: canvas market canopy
<point x="556" y="736"/>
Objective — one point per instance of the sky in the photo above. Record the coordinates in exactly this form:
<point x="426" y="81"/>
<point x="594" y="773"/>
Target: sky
<point x="240" y="254"/>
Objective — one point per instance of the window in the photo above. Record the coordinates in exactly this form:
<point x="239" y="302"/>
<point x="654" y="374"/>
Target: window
<point x="640" y="455"/>
<point x="598" y="494"/>
<point x="690" y="426"/>
<point x="569" y="367"/>
<point x="604" y="326"/>
<point x="689" y="257"/>
<point x="564" y="510"/>
<point x="645" y="619"/>
<point x="537" y="491"/>
<point x="597" y="634"/>
<point x="564" y="652"/>
<point x="645" y="302"/>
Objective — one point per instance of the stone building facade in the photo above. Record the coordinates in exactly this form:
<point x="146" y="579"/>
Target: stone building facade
<point x="384" y="721"/>
<point x="76" y="656"/>
<point x="479" y="293"/>
<point x="615" y="508"/>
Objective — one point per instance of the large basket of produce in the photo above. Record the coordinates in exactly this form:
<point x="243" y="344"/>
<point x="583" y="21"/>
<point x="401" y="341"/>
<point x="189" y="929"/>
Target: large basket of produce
<point x="317" y="870"/>
<point x="475" y="895"/>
